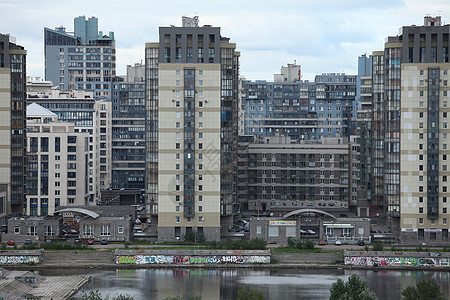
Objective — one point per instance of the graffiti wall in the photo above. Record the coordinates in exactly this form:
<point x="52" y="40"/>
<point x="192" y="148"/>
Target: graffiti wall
<point x="397" y="261"/>
<point x="19" y="259"/>
<point x="191" y="259"/>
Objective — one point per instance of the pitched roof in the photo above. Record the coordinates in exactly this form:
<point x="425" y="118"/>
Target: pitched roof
<point x="35" y="109"/>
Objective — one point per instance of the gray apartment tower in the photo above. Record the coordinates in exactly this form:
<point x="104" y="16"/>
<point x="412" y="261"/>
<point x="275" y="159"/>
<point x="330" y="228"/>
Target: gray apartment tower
<point x="82" y="60"/>
<point x="191" y="102"/>
<point x="13" y="126"/>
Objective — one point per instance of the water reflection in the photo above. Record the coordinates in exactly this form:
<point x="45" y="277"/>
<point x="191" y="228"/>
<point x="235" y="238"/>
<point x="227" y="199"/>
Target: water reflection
<point x="224" y="283"/>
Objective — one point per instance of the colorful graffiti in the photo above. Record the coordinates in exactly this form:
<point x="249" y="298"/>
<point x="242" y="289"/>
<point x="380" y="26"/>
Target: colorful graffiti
<point x="188" y="259"/>
<point x="397" y="261"/>
<point x="18" y="259"/>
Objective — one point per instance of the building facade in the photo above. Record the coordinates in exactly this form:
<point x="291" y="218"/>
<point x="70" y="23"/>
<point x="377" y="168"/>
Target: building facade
<point x="191" y="102"/>
<point x="128" y="135"/>
<point x="90" y="116"/>
<point x="421" y="57"/>
<point x="57" y="163"/>
<point x="302" y="110"/>
<point x="84" y="60"/>
<point x="278" y="177"/>
<point x="13" y="126"/>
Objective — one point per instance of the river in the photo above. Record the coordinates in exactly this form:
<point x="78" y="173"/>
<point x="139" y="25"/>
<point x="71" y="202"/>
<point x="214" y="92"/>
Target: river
<point x="224" y="283"/>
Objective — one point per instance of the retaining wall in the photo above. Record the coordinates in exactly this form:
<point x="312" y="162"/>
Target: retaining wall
<point x="397" y="258"/>
<point x="139" y="257"/>
<point x="20" y="257"/>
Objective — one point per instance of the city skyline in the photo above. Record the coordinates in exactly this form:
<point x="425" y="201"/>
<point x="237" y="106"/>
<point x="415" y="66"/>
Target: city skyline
<point x="269" y="35"/>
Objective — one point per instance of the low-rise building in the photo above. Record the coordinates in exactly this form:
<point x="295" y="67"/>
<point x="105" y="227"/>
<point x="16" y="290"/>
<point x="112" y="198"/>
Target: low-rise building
<point x="111" y="223"/>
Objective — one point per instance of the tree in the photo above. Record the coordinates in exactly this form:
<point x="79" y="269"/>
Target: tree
<point x="424" y="290"/>
<point x="354" y="289"/>
<point x="249" y="294"/>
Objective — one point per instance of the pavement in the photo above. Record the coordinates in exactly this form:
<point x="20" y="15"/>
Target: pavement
<point x="59" y="287"/>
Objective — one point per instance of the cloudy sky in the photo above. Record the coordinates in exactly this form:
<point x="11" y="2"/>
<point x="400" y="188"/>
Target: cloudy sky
<point x="322" y="36"/>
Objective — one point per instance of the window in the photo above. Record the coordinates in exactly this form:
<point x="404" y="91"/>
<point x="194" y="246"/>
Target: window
<point x="420" y="210"/>
<point x="177" y="219"/>
<point x="49" y="230"/>
<point x="420" y="220"/>
<point x="200" y="187"/>
<point x="200" y="198"/>
<point x="200" y="145"/>
<point x="120" y="229"/>
<point x="105" y="230"/>
<point x="87" y="230"/>
<point x="420" y="199"/>
<point x="16" y="230"/>
<point x="178" y="83"/>
<point x="200" y="219"/>
<point x="273" y="231"/>
<point x="32" y="230"/>
<point x="200" y="83"/>
<point x="200" y="208"/>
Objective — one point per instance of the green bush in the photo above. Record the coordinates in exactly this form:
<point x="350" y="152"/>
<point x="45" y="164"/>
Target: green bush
<point x="377" y="246"/>
<point x="291" y="242"/>
<point x="249" y="294"/>
<point x="62" y="245"/>
<point x="427" y="289"/>
<point x="253" y="244"/>
<point x="354" y="289"/>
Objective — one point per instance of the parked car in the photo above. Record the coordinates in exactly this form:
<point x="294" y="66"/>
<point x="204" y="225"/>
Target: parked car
<point x="11" y="243"/>
<point x="77" y="241"/>
<point x="90" y="242"/>
<point x="73" y="232"/>
<point x="338" y="243"/>
<point x="104" y="242"/>
<point x="311" y="232"/>
<point x="27" y="242"/>
<point x="361" y="243"/>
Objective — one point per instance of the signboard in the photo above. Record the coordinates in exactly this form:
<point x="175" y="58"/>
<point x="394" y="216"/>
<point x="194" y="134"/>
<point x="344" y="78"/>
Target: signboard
<point x="433" y="230"/>
<point x="409" y="229"/>
<point x="282" y="223"/>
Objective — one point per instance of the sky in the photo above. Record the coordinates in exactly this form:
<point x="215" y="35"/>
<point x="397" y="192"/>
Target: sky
<point x="325" y="36"/>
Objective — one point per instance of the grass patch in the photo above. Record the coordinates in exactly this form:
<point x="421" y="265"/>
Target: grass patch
<point x="296" y="250"/>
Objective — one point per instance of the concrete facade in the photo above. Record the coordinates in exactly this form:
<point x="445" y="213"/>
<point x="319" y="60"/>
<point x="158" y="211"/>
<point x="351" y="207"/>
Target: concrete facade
<point x="12" y="126"/>
<point x="191" y="100"/>
<point x="80" y="61"/>
<point x="58" y="159"/>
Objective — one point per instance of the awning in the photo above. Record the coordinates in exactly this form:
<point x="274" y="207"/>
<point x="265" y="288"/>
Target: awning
<point x="339" y="225"/>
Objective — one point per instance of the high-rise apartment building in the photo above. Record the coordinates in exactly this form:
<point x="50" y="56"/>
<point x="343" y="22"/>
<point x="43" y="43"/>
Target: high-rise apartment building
<point x="302" y="110"/>
<point x="82" y="60"/>
<point x="128" y="135"/>
<point x="276" y="176"/>
<point x="191" y="102"/>
<point x="57" y="163"/>
<point x="88" y="115"/>
<point x="13" y="126"/>
<point x="417" y="128"/>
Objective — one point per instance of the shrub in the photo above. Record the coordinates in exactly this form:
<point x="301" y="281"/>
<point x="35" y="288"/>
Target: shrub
<point x="354" y="289"/>
<point x="427" y="289"/>
<point x="291" y="242"/>
<point x="253" y="244"/>
<point x="249" y="294"/>
<point x="378" y="246"/>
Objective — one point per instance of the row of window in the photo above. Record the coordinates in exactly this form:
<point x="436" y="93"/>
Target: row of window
<point x="189" y="220"/>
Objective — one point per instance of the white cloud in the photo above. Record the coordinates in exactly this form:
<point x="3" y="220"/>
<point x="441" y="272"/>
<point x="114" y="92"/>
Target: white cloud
<point x="323" y="36"/>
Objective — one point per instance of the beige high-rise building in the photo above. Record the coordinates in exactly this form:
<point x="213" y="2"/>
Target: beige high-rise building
<point x="192" y="125"/>
<point x="420" y="64"/>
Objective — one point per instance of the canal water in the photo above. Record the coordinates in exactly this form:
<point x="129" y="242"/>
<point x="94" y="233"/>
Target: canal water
<point x="224" y="283"/>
